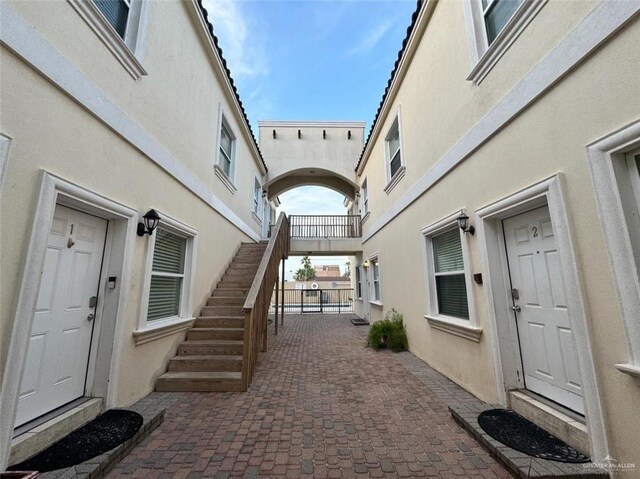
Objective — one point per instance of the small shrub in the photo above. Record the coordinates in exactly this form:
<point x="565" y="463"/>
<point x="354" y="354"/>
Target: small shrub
<point x="389" y="333"/>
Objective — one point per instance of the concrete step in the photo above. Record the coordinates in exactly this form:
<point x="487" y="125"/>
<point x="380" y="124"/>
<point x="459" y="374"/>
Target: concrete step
<point x="219" y="322"/>
<point x="210" y="347"/>
<point x="226" y="301"/>
<point x="225" y="310"/>
<point x="200" y="381"/>
<point x="214" y="363"/>
<point x="196" y="334"/>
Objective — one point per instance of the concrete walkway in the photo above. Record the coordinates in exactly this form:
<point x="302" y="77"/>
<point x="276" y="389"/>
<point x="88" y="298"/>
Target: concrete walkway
<point x="321" y="405"/>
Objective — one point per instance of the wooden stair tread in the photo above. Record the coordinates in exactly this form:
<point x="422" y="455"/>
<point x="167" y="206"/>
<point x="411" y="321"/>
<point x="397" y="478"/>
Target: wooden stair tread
<point x="212" y="342"/>
<point x="208" y="357"/>
<point x="226" y="375"/>
<point x="215" y="328"/>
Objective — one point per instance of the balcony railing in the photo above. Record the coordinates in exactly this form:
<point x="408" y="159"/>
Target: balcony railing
<point x="325" y="226"/>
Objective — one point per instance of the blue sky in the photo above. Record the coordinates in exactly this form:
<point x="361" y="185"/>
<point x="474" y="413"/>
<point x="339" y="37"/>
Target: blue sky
<point x="310" y="60"/>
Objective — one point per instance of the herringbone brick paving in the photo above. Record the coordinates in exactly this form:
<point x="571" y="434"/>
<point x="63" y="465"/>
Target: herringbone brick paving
<point x="321" y="405"/>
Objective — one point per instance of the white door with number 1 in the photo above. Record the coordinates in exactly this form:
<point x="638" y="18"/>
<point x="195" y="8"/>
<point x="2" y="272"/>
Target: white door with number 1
<point x="547" y="347"/>
<point x="58" y="351"/>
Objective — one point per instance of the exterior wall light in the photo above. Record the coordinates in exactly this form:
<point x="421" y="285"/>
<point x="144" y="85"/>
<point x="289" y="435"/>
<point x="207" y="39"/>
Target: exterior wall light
<point x="366" y="263"/>
<point x="264" y="193"/>
<point x="463" y="224"/>
<point x="151" y="220"/>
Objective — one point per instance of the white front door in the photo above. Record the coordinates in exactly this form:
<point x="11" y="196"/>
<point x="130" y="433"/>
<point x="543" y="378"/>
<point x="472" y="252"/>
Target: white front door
<point x="60" y="342"/>
<point x="547" y="346"/>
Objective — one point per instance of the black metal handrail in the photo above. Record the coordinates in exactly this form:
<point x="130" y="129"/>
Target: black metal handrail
<point x="325" y="226"/>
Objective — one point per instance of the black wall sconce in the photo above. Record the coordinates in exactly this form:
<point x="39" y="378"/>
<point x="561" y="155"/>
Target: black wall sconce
<point x="299" y="134"/>
<point x="324" y="134"/>
<point x="463" y="224"/>
<point x="264" y="193"/>
<point x="274" y="134"/>
<point x="349" y="135"/>
<point x="151" y="220"/>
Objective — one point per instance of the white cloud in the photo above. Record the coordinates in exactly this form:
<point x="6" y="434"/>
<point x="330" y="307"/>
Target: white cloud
<point x="233" y="27"/>
<point x="312" y="200"/>
<point x="371" y="39"/>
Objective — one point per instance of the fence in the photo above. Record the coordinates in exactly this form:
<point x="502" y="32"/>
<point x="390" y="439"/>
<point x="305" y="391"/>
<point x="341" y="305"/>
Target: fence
<point x="318" y="301"/>
<point x="325" y="226"/>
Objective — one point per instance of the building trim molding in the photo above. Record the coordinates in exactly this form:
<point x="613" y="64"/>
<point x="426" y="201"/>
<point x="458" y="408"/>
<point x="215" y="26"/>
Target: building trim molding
<point x="547" y="192"/>
<point x="311" y="124"/>
<point x="599" y="25"/>
<point x="46" y="59"/>
<point x="53" y="191"/>
<point x="605" y="155"/>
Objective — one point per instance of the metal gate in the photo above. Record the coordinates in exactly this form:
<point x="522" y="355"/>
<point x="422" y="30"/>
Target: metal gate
<point x="318" y="301"/>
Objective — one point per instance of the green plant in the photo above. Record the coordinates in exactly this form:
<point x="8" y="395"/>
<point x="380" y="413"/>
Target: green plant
<point x="389" y="333"/>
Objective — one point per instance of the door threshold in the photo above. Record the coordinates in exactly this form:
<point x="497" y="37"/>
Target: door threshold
<point x="558" y="420"/>
<point x="36" y="435"/>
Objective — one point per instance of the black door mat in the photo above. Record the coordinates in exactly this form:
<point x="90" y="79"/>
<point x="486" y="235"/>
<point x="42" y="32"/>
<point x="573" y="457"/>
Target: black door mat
<point x="102" y="434"/>
<point x="359" y="322"/>
<point x="511" y="429"/>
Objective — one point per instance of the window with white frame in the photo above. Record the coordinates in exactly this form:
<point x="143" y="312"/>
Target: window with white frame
<point x="120" y="25"/>
<point x="358" y="283"/>
<point x="226" y="150"/>
<point x="116" y="12"/>
<point x="364" y="193"/>
<point x="375" y="280"/>
<point x="257" y="188"/>
<point x="167" y="276"/>
<point x="394" y="155"/>
<point x="496" y="14"/>
<point x="493" y="25"/>
<point x="449" y="275"/>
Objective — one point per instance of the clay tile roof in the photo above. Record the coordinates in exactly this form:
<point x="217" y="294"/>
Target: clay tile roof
<point x="205" y="14"/>
<point x="410" y="28"/>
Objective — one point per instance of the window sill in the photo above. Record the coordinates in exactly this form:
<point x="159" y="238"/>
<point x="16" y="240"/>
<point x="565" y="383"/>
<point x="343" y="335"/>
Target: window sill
<point x="455" y="326"/>
<point x="256" y="218"/>
<point x="165" y="327"/>
<point x="376" y="303"/>
<point x="365" y="217"/>
<point x="511" y="31"/>
<point x="91" y="14"/>
<point x="225" y="179"/>
<point x="395" y="179"/>
<point x="359" y="299"/>
<point x="631" y="370"/>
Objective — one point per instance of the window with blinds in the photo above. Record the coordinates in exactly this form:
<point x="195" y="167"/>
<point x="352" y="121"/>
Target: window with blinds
<point x="167" y="275"/>
<point x="358" y="283"/>
<point x="451" y="287"/>
<point x="256" y="196"/>
<point x="375" y="276"/>
<point x="116" y="12"/>
<point x="226" y="147"/>
<point x="393" y="149"/>
<point x="496" y="15"/>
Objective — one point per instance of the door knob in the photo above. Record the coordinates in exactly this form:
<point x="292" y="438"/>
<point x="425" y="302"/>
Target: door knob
<point x="516" y="308"/>
<point x="91" y="317"/>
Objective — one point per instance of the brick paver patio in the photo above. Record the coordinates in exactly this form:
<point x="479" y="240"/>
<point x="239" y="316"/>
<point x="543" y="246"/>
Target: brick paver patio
<point x="321" y="405"/>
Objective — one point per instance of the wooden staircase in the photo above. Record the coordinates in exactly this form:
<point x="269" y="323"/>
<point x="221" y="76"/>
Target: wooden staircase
<point x="211" y="358"/>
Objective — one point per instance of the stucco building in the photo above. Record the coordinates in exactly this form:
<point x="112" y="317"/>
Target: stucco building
<point x="496" y="203"/>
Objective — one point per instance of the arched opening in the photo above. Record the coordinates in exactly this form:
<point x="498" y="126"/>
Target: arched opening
<point x="310" y="177"/>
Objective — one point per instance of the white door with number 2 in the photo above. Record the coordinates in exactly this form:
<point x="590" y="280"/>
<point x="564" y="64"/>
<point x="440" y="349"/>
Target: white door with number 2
<point x="547" y="347"/>
<point x="59" y="346"/>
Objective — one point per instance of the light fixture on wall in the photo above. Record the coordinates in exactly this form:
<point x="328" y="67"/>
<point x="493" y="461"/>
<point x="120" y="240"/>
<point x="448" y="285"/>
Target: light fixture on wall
<point x="463" y="223"/>
<point x="264" y="193"/>
<point x="365" y="264"/>
<point x="151" y="220"/>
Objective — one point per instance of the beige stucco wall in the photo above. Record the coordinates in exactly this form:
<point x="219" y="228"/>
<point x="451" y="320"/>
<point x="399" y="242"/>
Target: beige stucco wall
<point x="177" y="103"/>
<point x="331" y="156"/>
<point x="437" y="107"/>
